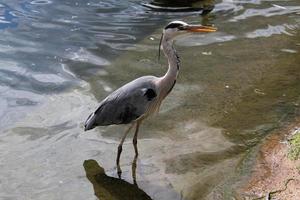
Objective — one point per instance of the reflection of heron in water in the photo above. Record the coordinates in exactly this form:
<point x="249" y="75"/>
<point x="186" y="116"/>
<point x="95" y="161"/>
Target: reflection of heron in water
<point x="110" y="188"/>
<point x="136" y="100"/>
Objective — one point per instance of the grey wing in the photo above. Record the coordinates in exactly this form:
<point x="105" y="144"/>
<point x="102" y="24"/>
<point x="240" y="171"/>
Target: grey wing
<point x="125" y="104"/>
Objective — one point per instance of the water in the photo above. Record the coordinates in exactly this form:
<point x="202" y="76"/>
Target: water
<point x="59" y="58"/>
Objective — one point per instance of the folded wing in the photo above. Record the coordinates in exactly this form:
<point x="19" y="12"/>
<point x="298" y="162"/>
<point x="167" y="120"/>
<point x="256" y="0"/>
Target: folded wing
<point x="124" y="105"/>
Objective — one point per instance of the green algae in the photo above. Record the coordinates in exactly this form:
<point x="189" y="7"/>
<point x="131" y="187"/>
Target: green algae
<point x="294" y="150"/>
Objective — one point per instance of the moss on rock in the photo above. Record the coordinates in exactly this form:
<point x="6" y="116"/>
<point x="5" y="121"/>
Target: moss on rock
<point x="294" y="151"/>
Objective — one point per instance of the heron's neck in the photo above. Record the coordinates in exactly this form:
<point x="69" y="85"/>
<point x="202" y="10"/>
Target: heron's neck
<point x="169" y="79"/>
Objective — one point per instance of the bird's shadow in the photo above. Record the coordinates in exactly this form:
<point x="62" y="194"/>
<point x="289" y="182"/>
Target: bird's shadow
<point x="110" y="188"/>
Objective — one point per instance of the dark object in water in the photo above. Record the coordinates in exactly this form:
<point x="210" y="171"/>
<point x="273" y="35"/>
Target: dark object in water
<point x="181" y="5"/>
<point x="176" y="3"/>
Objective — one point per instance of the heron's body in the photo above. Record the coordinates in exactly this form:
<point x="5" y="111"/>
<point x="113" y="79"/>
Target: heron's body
<point x="126" y="104"/>
<point x="141" y="97"/>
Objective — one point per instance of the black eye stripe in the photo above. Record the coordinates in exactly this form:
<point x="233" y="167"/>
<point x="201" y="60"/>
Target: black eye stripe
<point x="173" y="25"/>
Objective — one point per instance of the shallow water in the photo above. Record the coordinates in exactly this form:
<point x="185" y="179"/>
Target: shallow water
<point x="59" y="58"/>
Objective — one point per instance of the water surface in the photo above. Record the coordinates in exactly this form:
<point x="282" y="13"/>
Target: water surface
<point x="59" y="58"/>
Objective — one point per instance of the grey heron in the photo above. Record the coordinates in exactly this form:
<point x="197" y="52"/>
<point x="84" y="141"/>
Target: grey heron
<point x="136" y="100"/>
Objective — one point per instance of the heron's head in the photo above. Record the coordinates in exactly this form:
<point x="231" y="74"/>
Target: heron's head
<point x="176" y="28"/>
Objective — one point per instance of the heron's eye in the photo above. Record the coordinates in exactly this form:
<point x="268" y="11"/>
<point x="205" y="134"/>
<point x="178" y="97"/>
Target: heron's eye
<point x="181" y="28"/>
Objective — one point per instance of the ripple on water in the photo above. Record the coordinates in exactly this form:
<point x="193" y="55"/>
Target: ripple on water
<point x="199" y="40"/>
<point x="289" y="50"/>
<point x="11" y="66"/>
<point x="228" y="7"/>
<point x="6" y="17"/>
<point x="48" y="78"/>
<point x="14" y="104"/>
<point x="112" y="36"/>
<point x="267" y="32"/>
<point x="83" y="55"/>
<point x="266" y="12"/>
<point x="40" y="2"/>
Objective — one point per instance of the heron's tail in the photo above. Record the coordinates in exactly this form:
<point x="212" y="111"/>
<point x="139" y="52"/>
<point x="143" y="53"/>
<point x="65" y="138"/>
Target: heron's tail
<point x="90" y="122"/>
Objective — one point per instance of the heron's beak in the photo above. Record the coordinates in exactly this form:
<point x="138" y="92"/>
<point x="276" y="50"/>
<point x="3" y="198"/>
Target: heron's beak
<point x="200" y="28"/>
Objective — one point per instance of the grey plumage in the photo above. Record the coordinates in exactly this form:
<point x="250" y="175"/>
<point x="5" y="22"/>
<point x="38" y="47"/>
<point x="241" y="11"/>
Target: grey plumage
<point x="125" y="104"/>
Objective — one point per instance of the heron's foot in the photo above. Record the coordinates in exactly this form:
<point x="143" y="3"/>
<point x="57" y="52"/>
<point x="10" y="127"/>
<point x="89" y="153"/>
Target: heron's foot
<point x="119" y="171"/>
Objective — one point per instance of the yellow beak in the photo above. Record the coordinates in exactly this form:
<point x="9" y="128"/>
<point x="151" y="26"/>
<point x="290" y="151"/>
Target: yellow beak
<point x="200" y="28"/>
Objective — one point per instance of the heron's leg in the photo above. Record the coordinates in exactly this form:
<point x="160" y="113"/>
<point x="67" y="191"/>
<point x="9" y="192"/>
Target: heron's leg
<point x="135" y="137"/>
<point x="133" y="168"/>
<point x="120" y="149"/>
